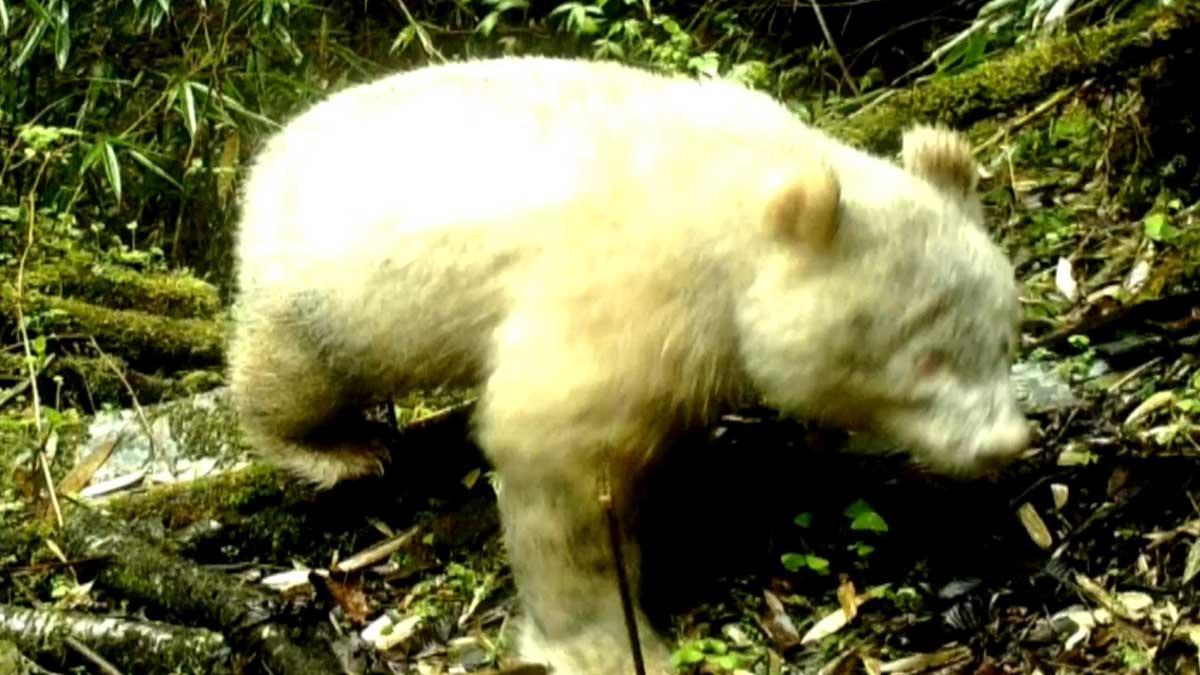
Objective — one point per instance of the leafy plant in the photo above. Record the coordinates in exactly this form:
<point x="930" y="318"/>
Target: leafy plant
<point x="709" y="651"/>
<point x="861" y="517"/>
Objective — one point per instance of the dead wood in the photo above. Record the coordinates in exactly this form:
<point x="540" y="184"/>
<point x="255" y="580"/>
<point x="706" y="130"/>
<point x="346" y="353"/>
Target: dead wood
<point x="250" y="618"/>
<point x="1024" y="76"/>
<point x="135" y="646"/>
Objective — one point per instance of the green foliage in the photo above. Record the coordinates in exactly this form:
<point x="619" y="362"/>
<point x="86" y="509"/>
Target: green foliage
<point x="794" y="562"/>
<point x="130" y="122"/>
<point x="1079" y="365"/>
<point x="863" y="517"/>
<point x="709" y="652"/>
<point x="860" y="516"/>
<point x="1157" y="227"/>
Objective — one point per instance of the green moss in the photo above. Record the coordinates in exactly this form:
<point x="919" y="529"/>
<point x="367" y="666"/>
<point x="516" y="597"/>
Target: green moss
<point x="220" y="498"/>
<point x="116" y="287"/>
<point x="141" y="338"/>
<point x="1025" y="75"/>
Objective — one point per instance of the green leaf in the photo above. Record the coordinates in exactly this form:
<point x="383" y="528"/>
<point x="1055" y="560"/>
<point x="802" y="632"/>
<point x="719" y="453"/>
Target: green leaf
<point x="871" y="522"/>
<point x="92" y="156"/>
<point x="233" y="104"/>
<point x="112" y="169"/>
<point x="289" y="45"/>
<point x="803" y="519"/>
<point x="857" y="508"/>
<point x="37" y="8"/>
<point x="708" y="64"/>
<point x="488" y="24"/>
<point x="863" y="550"/>
<point x="727" y="662"/>
<point x="687" y="656"/>
<point x="818" y="564"/>
<point x="3" y="18"/>
<point x="152" y="167"/>
<point x="1158" y="228"/>
<point x="712" y="646"/>
<point x="863" y="517"/>
<point x="794" y="562"/>
<point x="403" y="39"/>
<point x="33" y="37"/>
<point x="62" y="44"/>
<point x="188" y="102"/>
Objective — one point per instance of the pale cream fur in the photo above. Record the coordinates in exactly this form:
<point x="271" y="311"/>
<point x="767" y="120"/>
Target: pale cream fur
<point x="615" y="257"/>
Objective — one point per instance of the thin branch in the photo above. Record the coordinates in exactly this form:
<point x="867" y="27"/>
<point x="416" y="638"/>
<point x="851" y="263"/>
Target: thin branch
<point x="96" y="660"/>
<point x="1041" y="108"/>
<point x="614" y="538"/>
<point x="41" y="458"/>
<point x="137" y="407"/>
<point x="837" y="55"/>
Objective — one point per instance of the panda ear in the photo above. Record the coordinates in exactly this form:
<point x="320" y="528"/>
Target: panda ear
<point x="942" y="157"/>
<point x="803" y="209"/>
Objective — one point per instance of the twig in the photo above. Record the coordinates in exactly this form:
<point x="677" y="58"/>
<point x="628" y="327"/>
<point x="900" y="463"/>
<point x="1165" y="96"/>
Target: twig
<point x="99" y="661"/>
<point x="376" y="553"/>
<point x="1021" y="121"/>
<point x="18" y="301"/>
<point x="26" y="346"/>
<point x="614" y="538"/>
<point x="137" y="407"/>
<point x="50" y="487"/>
<point x="1132" y="374"/>
<point x="422" y="35"/>
<point x="881" y="98"/>
<point x="436" y="416"/>
<point x="837" y="55"/>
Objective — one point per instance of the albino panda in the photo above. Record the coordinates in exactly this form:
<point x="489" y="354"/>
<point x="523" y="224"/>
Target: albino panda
<point x="615" y="257"/>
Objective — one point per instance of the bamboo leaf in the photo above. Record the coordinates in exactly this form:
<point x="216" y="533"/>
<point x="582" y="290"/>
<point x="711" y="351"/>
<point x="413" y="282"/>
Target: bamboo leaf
<point x="112" y="169"/>
<point x="152" y="167"/>
<point x="32" y="37"/>
<point x="188" y="103"/>
<point x="3" y="18"/>
<point x="92" y="156"/>
<point x="37" y="8"/>
<point x="233" y="104"/>
<point x="62" y="44"/>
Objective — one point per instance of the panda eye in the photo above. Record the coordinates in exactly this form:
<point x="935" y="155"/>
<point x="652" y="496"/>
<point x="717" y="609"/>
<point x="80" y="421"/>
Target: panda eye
<point x="931" y="363"/>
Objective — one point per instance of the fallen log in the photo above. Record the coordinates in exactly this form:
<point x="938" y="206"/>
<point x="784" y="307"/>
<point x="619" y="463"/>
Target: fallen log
<point x="249" y="617"/>
<point x="134" y="645"/>
<point x="143" y="339"/>
<point x="83" y="277"/>
<point x="1025" y="75"/>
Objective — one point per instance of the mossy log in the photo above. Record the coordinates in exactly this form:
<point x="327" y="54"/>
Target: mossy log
<point x="249" y="617"/>
<point x="135" y="646"/>
<point x="1025" y="75"/>
<point x="83" y="277"/>
<point x="147" y="341"/>
<point x="85" y="382"/>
